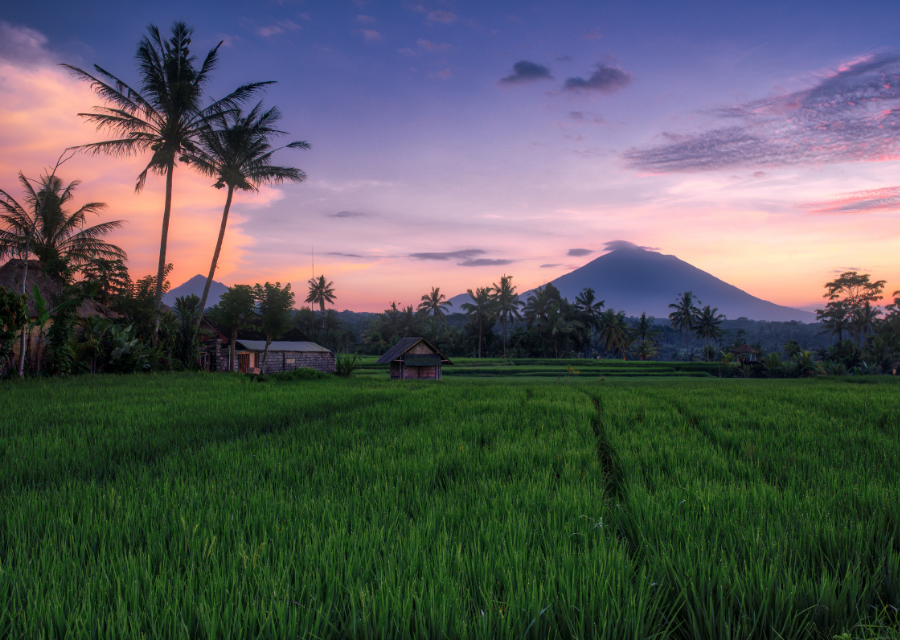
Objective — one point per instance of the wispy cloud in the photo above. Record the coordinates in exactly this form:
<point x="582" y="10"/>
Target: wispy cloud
<point x="445" y="17"/>
<point x="615" y="245"/>
<point x="605" y="79"/>
<point x="465" y="254"/>
<point x="22" y="45"/>
<point x="443" y="74"/>
<point x="370" y="35"/>
<point x="848" y="115"/>
<point x="428" y="45"/>
<point x="484" y="262"/>
<point x="349" y="214"/>
<point x="279" y="27"/>
<point x="549" y="266"/>
<point x="580" y="252"/>
<point x="564" y="59"/>
<point x="886" y="199"/>
<point x="525" y="72"/>
<point x="366" y="19"/>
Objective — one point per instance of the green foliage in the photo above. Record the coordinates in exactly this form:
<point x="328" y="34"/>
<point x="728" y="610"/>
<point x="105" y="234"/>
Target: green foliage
<point x="13" y="317"/>
<point x="274" y="307"/>
<point x="346" y="363"/>
<point x="194" y="505"/>
<point x="188" y="310"/>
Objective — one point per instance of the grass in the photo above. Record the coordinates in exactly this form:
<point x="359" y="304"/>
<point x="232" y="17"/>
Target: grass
<point x="194" y="505"/>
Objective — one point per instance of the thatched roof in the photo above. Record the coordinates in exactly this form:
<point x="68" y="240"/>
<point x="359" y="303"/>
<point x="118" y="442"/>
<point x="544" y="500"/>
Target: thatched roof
<point x="397" y="351"/>
<point x="12" y="273"/>
<point x="744" y="348"/>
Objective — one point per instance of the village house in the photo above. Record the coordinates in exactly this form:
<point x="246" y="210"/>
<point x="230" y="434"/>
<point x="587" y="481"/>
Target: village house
<point x="414" y="359"/>
<point x="292" y="350"/>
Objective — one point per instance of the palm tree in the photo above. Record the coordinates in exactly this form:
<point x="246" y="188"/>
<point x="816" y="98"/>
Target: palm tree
<point x="54" y="231"/>
<point x="164" y="115"/>
<point x="646" y="350"/>
<point x="614" y="334"/>
<point x="239" y="156"/>
<point x="684" y="318"/>
<point x="482" y="309"/>
<point x="410" y="321"/>
<point x="507" y="302"/>
<point x="537" y="306"/>
<point x="435" y="304"/>
<point x="708" y="326"/>
<point x="590" y="308"/>
<point x="644" y="330"/>
<point x="556" y="325"/>
<point x="834" y="318"/>
<point x="320" y="292"/>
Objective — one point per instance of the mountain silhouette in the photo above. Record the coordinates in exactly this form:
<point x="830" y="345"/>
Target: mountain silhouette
<point x="195" y="285"/>
<point x="638" y="281"/>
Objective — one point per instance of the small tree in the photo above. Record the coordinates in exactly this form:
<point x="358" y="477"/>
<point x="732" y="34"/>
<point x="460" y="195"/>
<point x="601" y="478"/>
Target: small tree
<point x="235" y="309"/>
<point x="275" y="306"/>
<point x="188" y="310"/>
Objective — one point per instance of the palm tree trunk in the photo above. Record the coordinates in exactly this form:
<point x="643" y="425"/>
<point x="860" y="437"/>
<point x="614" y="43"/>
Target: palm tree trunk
<point x="161" y="270"/>
<point x="322" y="307"/>
<point x="215" y="260"/>
<point x="687" y="345"/>
<point x="504" y="334"/>
<point x="231" y="349"/>
<point x="479" y="339"/>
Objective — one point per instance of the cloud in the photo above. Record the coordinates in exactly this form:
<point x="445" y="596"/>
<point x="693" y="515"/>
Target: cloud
<point x="465" y="254"/>
<point x="580" y="116"/>
<point x="759" y="174"/>
<point x="370" y="35"/>
<point x="594" y="34"/>
<point x="525" y="71"/>
<point x="484" y="262"/>
<point x="579" y="252"/>
<point x="406" y="51"/>
<point x="886" y="199"/>
<point x="606" y="79"/>
<point x="548" y="266"/>
<point x="564" y="59"/>
<point x="345" y="255"/>
<point x="366" y="19"/>
<point x="615" y="245"/>
<point x="851" y="114"/>
<point x="277" y="28"/>
<point x="21" y="45"/>
<point x="349" y="214"/>
<point x="445" y="17"/>
<point x="428" y="45"/>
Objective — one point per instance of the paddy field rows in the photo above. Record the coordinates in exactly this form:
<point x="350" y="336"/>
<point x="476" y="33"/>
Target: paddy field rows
<point x="195" y="505"/>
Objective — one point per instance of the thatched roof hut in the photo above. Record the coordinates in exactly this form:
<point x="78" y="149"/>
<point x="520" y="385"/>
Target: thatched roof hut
<point x="415" y="359"/>
<point x="12" y="273"/>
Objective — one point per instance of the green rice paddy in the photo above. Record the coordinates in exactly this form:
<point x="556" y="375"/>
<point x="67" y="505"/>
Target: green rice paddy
<point x="208" y="506"/>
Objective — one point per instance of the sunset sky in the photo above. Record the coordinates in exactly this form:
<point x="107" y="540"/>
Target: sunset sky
<point x="453" y="142"/>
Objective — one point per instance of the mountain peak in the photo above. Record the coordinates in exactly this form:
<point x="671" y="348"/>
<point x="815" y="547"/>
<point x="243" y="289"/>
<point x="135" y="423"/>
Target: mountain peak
<point x="195" y="285"/>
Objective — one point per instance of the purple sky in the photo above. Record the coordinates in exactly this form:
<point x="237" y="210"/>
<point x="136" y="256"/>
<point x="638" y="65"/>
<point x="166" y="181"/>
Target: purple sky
<point x="453" y="142"/>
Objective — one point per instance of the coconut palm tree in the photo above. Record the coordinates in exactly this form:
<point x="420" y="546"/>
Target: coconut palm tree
<point x="164" y="115"/>
<point x="507" y="303"/>
<point x="864" y="321"/>
<point x="557" y="326"/>
<point x="684" y="318"/>
<point x="321" y="292"/>
<point x="614" y="334"/>
<point x="55" y="230"/>
<point x="590" y="308"/>
<point x="482" y="309"/>
<point x="435" y="303"/>
<point x="835" y="319"/>
<point x="708" y="322"/>
<point x="239" y="156"/>
<point x="410" y="321"/>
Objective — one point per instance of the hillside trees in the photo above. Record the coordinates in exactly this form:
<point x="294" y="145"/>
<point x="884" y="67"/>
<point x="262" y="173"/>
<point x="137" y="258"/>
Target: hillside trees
<point x="507" y="304"/>
<point x="482" y="310"/>
<point x="273" y="305"/>
<point x="236" y="308"/>
<point x="684" y="318"/>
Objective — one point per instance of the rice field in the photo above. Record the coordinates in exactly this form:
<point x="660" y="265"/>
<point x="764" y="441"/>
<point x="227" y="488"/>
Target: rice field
<point x="208" y="506"/>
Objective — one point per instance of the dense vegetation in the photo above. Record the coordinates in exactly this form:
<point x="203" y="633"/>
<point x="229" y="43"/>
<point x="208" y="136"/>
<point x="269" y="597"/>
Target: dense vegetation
<point x="191" y="505"/>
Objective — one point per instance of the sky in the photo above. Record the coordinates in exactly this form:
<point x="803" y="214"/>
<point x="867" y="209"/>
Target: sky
<point x="454" y="142"/>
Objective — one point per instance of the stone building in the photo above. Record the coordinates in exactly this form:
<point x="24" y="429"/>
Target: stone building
<point x="282" y="356"/>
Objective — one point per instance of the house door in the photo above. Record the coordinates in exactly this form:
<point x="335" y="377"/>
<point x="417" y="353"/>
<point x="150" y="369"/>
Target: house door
<point x="243" y="362"/>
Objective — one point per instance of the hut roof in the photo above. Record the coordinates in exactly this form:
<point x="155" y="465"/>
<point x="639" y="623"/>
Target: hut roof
<point x="12" y="273"/>
<point x="405" y="345"/>
<point x="744" y="348"/>
<point x="281" y="345"/>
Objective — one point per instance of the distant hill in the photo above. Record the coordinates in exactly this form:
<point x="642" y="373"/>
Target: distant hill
<point x="638" y="281"/>
<point x="195" y="285"/>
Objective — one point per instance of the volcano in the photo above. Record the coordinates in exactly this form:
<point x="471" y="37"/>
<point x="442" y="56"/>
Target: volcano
<point x="639" y="281"/>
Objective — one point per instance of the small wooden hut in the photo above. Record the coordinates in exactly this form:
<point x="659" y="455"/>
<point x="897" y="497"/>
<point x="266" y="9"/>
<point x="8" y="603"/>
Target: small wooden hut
<point x="745" y="353"/>
<point x="414" y="359"/>
<point x="282" y="356"/>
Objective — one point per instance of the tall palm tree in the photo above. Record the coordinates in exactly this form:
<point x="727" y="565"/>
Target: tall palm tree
<point x="644" y="330"/>
<point x="55" y="230"/>
<point x="835" y="319"/>
<point x="482" y="309"/>
<point x="864" y="321"/>
<point x="708" y="322"/>
<point x="684" y="317"/>
<point x="410" y="321"/>
<point x="589" y="308"/>
<point x="435" y="303"/>
<point x="557" y="326"/>
<point x="239" y="156"/>
<point x="321" y="292"/>
<point x="164" y="115"/>
<point x="507" y="303"/>
<point x="614" y="334"/>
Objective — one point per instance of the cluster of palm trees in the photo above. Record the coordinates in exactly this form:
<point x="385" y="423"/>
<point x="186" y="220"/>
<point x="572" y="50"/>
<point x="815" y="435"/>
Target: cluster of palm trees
<point x="690" y="319"/>
<point x="165" y="116"/>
